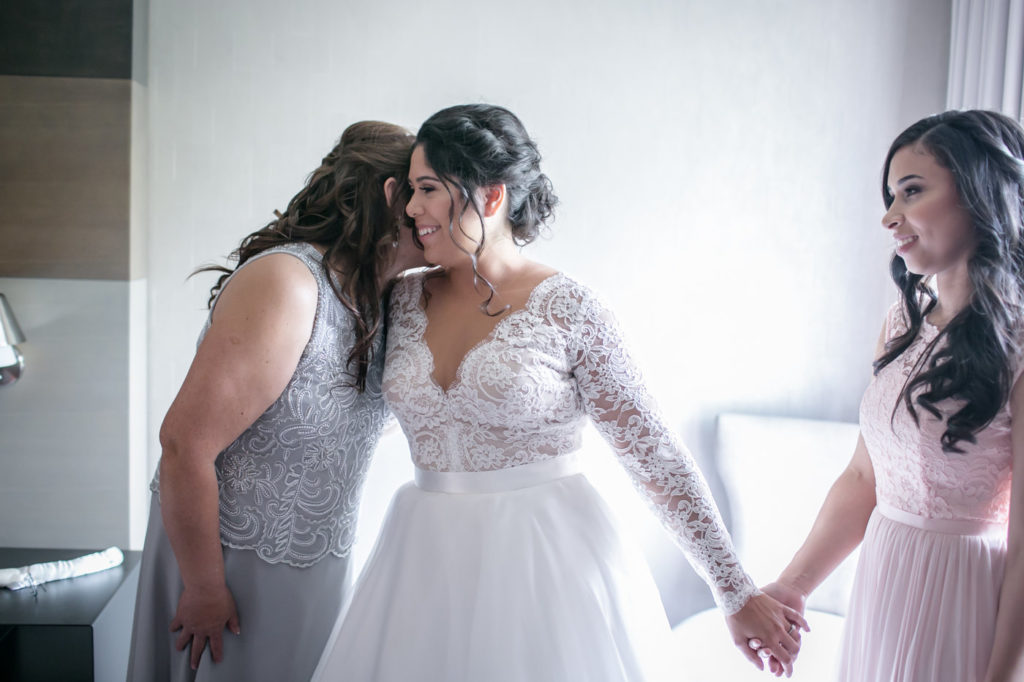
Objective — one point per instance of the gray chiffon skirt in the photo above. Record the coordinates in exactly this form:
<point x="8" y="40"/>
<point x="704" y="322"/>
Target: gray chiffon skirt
<point x="285" y="613"/>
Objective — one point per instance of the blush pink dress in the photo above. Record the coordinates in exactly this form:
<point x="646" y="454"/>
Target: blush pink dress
<point x="925" y="596"/>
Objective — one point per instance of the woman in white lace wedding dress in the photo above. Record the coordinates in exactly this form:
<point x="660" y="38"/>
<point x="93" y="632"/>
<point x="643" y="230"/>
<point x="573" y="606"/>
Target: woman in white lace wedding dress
<point x="501" y="562"/>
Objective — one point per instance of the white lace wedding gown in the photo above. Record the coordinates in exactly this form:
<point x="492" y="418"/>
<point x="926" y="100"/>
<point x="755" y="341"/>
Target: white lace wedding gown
<point x="501" y="562"/>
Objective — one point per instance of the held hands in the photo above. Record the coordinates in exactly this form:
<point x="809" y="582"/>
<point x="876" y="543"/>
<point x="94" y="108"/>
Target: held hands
<point x="202" y="615"/>
<point x="791" y="597"/>
<point x="774" y="629"/>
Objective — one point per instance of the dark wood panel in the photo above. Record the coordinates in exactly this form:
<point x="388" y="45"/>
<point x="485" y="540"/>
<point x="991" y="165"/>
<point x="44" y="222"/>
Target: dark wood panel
<point x="65" y="149"/>
<point x="76" y="38"/>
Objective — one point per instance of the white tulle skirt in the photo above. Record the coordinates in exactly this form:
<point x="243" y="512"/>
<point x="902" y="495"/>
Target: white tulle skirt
<point x="924" y="600"/>
<point x="516" y="575"/>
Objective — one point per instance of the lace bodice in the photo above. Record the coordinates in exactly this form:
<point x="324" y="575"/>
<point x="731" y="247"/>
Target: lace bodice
<point x="290" y="484"/>
<point x="912" y="473"/>
<point x="523" y="394"/>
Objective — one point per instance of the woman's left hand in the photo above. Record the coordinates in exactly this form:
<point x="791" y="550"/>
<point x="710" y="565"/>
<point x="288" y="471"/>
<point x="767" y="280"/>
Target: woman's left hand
<point x="775" y="628"/>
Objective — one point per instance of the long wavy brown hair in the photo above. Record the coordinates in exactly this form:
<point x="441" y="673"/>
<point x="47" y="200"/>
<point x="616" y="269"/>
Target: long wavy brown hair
<point x="343" y="207"/>
<point x="984" y="151"/>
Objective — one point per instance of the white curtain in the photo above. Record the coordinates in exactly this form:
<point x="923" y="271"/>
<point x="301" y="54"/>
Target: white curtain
<point x="986" y="56"/>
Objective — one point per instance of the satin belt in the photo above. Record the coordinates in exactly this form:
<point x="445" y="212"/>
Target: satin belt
<point x="950" y="526"/>
<point x="500" y="480"/>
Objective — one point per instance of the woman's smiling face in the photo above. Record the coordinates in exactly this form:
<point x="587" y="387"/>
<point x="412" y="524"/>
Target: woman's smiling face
<point x="446" y="225"/>
<point x="933" y="231"/>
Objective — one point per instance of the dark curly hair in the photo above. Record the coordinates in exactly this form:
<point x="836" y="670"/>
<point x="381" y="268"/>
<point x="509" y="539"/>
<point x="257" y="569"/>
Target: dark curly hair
<point x="343" y="207"/>
<point x="471" y="146"/>
<point x="984" y="151"/>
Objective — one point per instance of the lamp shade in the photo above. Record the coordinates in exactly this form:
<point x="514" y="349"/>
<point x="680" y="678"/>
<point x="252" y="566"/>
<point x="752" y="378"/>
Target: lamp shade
<point x="10" y="332"/>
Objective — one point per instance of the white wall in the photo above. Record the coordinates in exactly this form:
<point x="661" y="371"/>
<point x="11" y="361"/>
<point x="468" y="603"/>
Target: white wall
<point x="718" y="164"/>
<point x="64" y="426"/>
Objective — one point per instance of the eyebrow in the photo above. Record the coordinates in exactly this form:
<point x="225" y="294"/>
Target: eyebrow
<point x="904" y="179"/>
<point x="426" y="177"/>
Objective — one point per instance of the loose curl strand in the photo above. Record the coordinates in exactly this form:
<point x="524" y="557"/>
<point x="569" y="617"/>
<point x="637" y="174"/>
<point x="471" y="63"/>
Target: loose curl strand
<point x="343" y="207"/>
<point x="984" y="151"/>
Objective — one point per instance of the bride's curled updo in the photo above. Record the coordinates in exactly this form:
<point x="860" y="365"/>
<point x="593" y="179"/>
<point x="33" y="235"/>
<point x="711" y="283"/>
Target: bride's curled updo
<point x="471" y="146"/>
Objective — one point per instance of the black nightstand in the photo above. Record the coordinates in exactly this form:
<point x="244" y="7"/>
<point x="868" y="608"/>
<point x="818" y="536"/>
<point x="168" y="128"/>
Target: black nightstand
<point x="71" y="630"/>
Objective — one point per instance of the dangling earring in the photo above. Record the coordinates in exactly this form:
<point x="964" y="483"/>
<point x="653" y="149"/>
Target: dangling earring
<point x="398" y="233"/>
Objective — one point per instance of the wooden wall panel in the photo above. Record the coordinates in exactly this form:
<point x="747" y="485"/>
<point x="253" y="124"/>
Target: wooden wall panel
<point x="65" y="148"/>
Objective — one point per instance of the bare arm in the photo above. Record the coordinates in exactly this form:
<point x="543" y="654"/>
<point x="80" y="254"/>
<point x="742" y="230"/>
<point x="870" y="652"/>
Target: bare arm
<point x="837" y="530"/>
<point x="261" y="324"/>
<point x="1007" y="660"/>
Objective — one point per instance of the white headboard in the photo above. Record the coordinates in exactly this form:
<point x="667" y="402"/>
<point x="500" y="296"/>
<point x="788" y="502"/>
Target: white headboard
<point x="777" y="471"/>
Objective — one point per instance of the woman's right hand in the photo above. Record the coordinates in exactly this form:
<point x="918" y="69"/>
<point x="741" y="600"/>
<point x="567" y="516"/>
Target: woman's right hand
<point x="202" y="615"/>
<point x="787" y="594"/>
<point x="794" y="599"/>
<point x="774" y="628"/>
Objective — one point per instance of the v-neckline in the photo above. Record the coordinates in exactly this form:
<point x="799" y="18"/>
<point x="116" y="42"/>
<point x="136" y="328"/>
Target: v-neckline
<point x="487" y="338"/>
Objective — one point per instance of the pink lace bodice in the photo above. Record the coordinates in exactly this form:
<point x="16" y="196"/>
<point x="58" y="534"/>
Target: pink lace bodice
<point x="912" y="473"/>
<point x="523" y="394"/>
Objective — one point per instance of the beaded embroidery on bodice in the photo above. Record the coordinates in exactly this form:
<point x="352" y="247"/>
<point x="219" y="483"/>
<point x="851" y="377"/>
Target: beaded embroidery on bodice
<point x="912" y="473"/>
<point x="523" y="394"/>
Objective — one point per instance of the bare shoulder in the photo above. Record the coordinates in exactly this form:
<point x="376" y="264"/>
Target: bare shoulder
<point x="526" y="279"/>
<point x="278" y="281"/>
<point x="277" y="268"/>
<point x="538" y="272"/>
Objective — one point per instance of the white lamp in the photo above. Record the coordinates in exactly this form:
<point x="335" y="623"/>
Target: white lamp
<point x="11" y="360"/>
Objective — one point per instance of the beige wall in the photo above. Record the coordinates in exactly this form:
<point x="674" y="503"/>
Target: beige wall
<point x="64" y="177"/>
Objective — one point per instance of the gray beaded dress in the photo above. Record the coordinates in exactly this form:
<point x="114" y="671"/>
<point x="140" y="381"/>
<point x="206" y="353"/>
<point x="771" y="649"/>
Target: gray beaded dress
<point x="289" y="495"/>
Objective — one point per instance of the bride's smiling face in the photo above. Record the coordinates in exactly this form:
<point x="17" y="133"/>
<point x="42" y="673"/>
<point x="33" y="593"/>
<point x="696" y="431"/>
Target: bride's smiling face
<point x="446" y="225"/>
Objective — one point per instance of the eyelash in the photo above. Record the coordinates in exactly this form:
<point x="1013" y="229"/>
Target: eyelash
<point x="911" y="190"/>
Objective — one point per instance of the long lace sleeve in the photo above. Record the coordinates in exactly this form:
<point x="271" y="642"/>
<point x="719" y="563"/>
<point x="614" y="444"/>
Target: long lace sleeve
<point x="661" y="467"/>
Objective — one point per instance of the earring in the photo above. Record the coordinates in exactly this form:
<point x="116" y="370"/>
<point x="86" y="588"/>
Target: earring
<point x="398" y="233"/>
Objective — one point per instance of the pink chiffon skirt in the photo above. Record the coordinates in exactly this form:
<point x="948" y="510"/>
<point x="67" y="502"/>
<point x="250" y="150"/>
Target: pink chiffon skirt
<point x="924" y="600"/>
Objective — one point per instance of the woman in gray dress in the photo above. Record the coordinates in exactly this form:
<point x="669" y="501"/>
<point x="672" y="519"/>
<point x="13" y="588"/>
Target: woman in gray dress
<point x="265" y="447"/>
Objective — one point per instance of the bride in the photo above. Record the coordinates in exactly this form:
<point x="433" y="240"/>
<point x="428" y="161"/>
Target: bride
<point x="501" y="562"/>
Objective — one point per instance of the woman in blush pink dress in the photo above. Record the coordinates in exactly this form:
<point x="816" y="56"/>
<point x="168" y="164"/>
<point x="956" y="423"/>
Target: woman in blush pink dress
<point x="940" y="582"/>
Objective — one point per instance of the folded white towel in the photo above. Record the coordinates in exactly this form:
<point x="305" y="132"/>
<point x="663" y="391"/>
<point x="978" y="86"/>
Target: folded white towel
<point x="27" y="576"/>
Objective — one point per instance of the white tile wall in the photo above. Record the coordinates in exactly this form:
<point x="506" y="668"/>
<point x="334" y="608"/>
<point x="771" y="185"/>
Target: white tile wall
<point x="139" y="471"/>
<point x="64" y="425"/>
